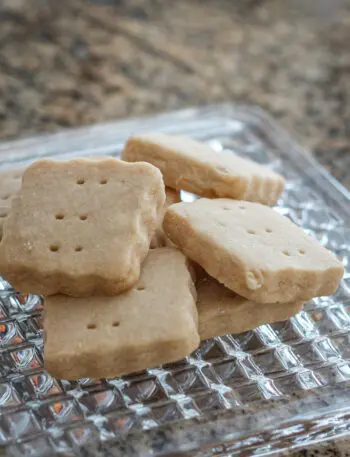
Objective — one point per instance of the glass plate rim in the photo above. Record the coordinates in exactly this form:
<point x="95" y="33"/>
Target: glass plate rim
<point x="221" y="429"/>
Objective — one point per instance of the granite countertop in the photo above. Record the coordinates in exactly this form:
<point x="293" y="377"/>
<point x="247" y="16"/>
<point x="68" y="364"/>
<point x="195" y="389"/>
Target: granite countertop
<point x="70" y="63"/>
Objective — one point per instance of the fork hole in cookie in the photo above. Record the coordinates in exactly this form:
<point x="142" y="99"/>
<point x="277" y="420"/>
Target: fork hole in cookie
<point x="91" y="326"/>
<point x="83" y="217"/>
<point x="5" y="197"/>
<point x="242" y="207"/>
<point x="287" y="253"/>
<point x="80" y="181"/>
<point x="115" y="324"/>
<point x="78" y="248"/>
<point x="54" y="247"/>
<point x="104" y="181"/>
<point x="59" y="216"/>
<point x="141" y="288"/>
<point x="268" y="230"/>
<point x="251" y="232"/>
<point x="301" y="251"/>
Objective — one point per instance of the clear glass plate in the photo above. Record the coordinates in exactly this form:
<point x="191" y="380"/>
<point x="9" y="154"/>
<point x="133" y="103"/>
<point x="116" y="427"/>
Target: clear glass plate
<point x="274" y="388"/>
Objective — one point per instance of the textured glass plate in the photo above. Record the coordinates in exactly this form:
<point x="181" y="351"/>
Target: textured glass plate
<point x="277" y="387"/>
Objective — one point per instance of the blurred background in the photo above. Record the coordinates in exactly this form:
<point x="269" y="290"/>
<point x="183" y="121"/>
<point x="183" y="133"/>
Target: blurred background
<point x="71" y="62"/>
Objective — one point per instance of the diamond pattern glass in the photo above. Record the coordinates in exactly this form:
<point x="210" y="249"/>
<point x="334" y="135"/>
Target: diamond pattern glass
<point x="276" y="387"/>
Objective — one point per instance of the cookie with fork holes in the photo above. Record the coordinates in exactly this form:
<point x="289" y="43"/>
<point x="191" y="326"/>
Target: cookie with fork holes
<point x="155" y="322"/>
<point x="81" y="227"/>
<point x="253" y="250"/>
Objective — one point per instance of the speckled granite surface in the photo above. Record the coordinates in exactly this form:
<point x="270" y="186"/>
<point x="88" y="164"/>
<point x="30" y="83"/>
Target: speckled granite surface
<point x="72" y="63"/>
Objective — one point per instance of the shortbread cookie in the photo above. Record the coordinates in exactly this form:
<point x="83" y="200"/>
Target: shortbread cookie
<point x="222" y="311"/>
<point x="10" y="184"/>
<point x="153" y="323"/>
<point x="195" y="167"/>
<point x="81" y="227"/>
<point x="253" y="250"/>
<point x="159" y="239"/>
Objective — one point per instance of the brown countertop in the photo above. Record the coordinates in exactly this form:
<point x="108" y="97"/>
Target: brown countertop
<point x="73" y="63"/>
<point x="67" y="63"/>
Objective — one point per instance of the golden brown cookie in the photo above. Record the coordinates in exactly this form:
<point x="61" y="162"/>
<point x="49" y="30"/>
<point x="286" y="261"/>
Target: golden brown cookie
<point x="81" y="227"/>
<point x="153" y="323"/>
<point x="253" y="250"/>
<point x="222" y="311"/>
<point x="195" y="167"/>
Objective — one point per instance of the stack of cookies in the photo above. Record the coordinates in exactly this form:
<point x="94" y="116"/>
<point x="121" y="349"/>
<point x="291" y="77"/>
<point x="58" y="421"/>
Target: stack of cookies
<point x="134" y="278"/>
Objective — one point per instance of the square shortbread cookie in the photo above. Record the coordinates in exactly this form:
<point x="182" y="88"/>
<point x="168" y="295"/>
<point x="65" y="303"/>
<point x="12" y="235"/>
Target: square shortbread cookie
<point x="10" y="185"/>
<point x="81" y="227"/>
<point x="221" y="311"/>
<point x="195" y="167"/>
<point x="253" y="250"/>
<point x="153" y="323"/>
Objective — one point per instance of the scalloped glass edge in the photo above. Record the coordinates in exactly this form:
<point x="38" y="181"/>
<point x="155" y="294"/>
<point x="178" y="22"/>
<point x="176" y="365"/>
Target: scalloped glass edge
<point x="271" y="426"/>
